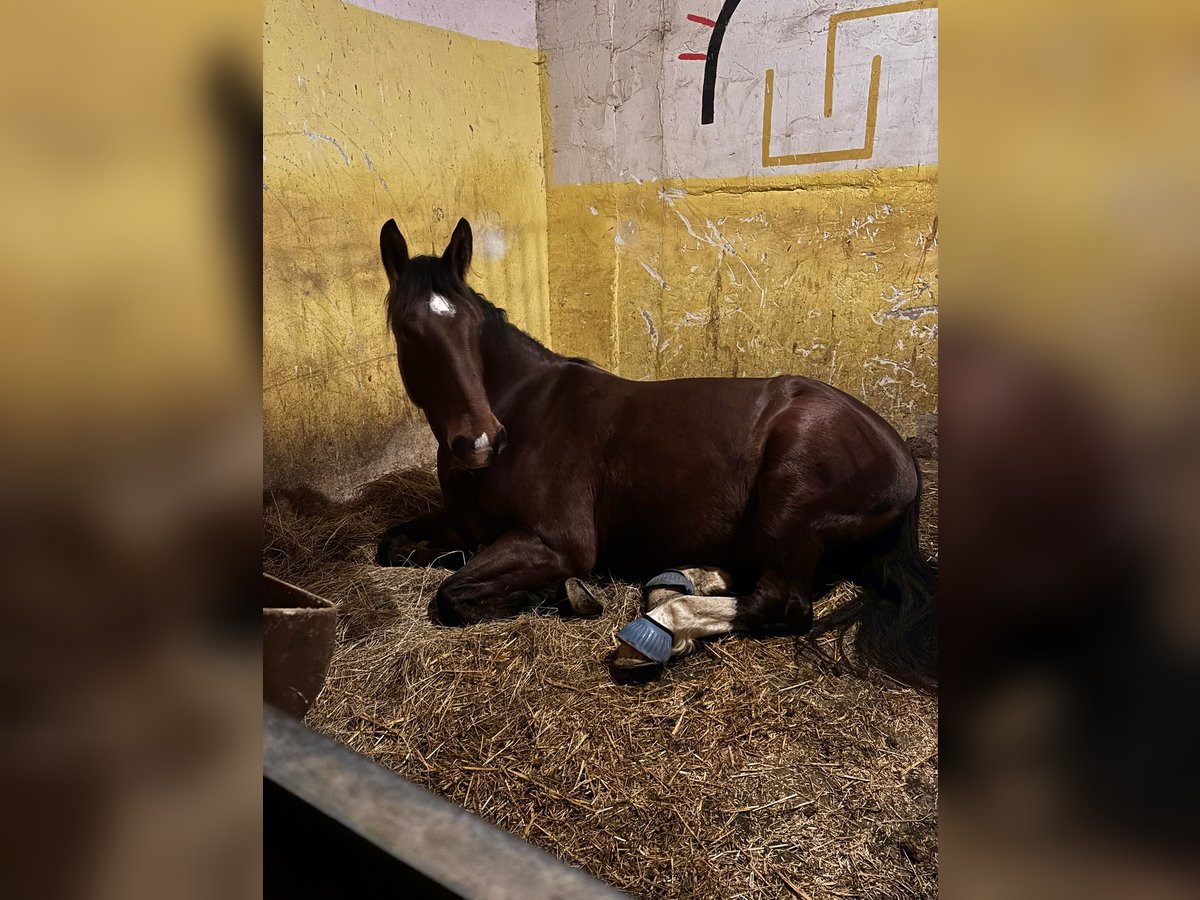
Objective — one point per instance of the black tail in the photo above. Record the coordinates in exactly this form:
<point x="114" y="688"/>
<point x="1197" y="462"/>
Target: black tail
<point x="896" y="609"/>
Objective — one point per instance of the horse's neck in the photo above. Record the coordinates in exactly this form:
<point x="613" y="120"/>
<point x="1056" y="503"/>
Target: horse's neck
<point x="509" y="361"/>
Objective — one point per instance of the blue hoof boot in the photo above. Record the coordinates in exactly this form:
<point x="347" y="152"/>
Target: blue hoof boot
<point x="648" y="638"/>
<point x="672" y="579"/>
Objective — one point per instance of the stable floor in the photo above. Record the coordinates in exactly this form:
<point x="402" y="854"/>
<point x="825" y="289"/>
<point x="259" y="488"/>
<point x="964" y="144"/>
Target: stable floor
<point x="753" y="769"/>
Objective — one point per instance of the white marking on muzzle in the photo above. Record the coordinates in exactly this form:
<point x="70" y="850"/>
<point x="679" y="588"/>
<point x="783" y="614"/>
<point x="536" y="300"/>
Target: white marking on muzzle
<point x="440" y="306"/>
<point x="481" y="442"/>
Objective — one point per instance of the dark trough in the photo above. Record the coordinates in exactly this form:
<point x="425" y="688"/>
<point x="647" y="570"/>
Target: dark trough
<point x="299" y="632"/>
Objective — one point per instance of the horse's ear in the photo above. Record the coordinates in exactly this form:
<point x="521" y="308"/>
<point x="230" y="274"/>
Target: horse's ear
<point x="393" y="250"/>
<point x="458" y="251"/>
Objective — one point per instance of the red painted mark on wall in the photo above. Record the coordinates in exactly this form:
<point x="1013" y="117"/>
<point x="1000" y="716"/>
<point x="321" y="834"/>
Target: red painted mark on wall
<point x="693" y="56"/>
<point x="702" y="20"/>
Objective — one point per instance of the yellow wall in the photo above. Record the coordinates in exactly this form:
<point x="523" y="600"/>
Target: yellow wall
<point x="367" y="117"/>
<point x="832" y="276"/>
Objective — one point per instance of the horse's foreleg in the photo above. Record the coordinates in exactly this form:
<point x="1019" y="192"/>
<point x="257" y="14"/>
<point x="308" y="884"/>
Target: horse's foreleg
<point x="429" y="540"/>
<point x="514" y="573"/>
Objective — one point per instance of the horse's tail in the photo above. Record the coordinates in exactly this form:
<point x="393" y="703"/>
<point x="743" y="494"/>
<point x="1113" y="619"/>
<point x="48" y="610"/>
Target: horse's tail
<point x="896" y="608"/>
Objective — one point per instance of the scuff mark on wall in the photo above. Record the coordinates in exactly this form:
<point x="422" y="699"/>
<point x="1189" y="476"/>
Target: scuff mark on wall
<point x="317" y="136"/>
<point x="657" y="278"/>
<point x="908" y="313"/>
<point x="490" y="243"/>
<point x="650" y="329"/>
<point x="371" y="168"/>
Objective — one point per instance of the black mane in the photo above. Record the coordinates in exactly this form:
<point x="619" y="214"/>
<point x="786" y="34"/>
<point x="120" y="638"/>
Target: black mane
<point x="425" y="275"/>
<point x="498" y="330"/>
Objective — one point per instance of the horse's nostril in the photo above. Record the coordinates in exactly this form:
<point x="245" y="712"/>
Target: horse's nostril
<point x="462" y="447"/>
<point x="501" y="440"/>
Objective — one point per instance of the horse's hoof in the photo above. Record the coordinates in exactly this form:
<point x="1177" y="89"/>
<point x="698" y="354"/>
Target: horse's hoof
<point x="582" y="601"/>
<point x="397" y="551"/>
<point x="403" y="552"/>
<point x="445" y="612"/>
<point x="628" y="666"/>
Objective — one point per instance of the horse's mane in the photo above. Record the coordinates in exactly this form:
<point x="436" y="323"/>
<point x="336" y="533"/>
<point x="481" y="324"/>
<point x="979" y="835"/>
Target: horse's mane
<point x="425" y="275"/>
<point x="497" y="329"/>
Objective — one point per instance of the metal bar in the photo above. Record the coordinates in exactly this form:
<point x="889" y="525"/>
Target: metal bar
<point x="426" y="833"/>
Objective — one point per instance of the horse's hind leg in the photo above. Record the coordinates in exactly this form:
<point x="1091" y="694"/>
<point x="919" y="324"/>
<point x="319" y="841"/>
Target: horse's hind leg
<point x="778" y="604"/>
<point x="708" y="581"/>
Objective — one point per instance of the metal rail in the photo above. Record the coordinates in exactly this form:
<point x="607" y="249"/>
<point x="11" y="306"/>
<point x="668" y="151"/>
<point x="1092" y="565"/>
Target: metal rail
<point x="446" y="847"/>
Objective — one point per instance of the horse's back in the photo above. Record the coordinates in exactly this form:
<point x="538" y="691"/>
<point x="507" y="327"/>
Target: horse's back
<point x="751" y="411"/>
<point x="682" y="464"/>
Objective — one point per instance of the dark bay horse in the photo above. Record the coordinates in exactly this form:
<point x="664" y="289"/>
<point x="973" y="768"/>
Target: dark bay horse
<point x="770" y="489"/>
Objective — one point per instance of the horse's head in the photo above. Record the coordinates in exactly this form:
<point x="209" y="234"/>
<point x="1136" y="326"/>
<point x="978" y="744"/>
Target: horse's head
<point x="437" y="320"/>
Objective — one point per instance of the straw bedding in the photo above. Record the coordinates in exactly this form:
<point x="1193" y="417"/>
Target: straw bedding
<point x="754" y="768"/>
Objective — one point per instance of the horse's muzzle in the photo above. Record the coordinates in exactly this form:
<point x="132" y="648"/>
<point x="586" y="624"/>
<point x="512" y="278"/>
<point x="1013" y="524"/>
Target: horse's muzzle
<point x="479" y="452"/>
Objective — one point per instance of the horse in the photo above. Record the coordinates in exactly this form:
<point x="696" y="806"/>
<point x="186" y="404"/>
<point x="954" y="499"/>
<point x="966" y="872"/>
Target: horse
<point x="738" y="501"/>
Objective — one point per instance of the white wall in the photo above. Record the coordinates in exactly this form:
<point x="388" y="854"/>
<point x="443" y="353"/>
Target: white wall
<point x="511" y="21"/>
<point x="624" y="106"/>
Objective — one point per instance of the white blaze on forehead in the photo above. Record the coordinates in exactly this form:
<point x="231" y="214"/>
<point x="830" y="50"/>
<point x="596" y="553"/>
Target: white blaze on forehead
<point x="440" y="306"/>
<point x="481" y="442"/>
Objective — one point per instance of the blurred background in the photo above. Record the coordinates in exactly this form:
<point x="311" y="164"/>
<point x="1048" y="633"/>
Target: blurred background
<point x="1069" y="449"/>
<point x="130" y="407"/>
<point x="130" y="464"/>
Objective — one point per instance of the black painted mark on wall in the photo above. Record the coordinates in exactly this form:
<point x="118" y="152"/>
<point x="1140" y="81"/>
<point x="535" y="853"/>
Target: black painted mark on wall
<point x="710" y="63"/>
